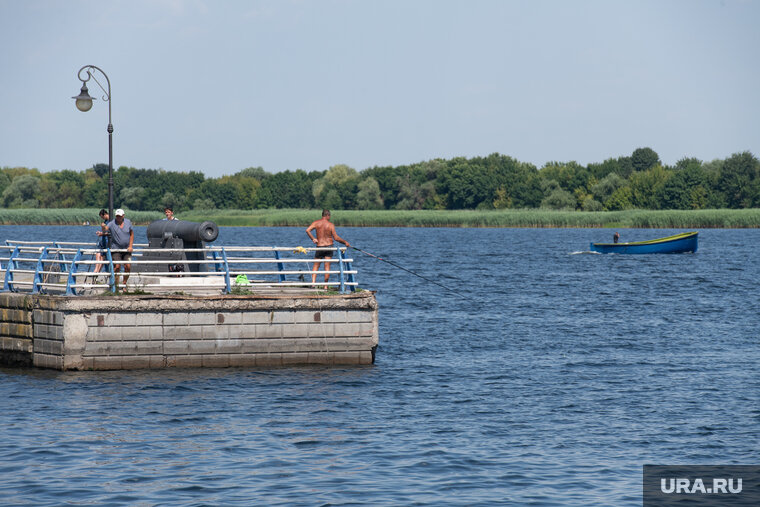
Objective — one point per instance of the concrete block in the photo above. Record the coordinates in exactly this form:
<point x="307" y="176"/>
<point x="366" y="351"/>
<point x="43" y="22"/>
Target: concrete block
<point x="15" y="315"/>
<point x="176" y="319"/>
<point x="228" y="318"/>
<point x="242" y="360"/>
<point x="321" y="330"/>
<point x="183" y="333"/>
<point x="176" y="347"/>
<point x="88" y="363"/>
<point x="320" y="358"/>
<point x="201" y="347"/>
<point x="150" y="319"/>
<point x="365" y="357"/>
<point x="50" y="347"/>
<point x="229" y="346"/>
<point x="307" y="316"/>
<point x="201" y="319"/>
<point x="135" y="333"/>
<point x="354" y="329"/>
<point x="283" y="317"/>
<point x="358" y="316"/>
<point x="47" y="331"/>
<point x="256" y="317"/>
<point x="120" y="319"/>
<point x="294" y="358"/>
<point x="47" y="361"/>
<point x="267" y="331"/>
<point x="257" y="346"/>
<point x="215" y="332"/>
<point x="92" y="349"/>
<point x="156" y="332"/>
<point x="333" y="316"/>
<point x="104" y="334"/>
<point x="157" y="361"/>
<point x="17" y="344"/>
<point x="295" y="330"/>
<point x="184" y="361"/>
<point x="352" y="357"/>
<point x="106" y="363"/>
<point x="269" y="360"/>
<point x="135" y="362"/>
<point x="16" y="329"/>
<point x="135" y="348"/>
<point x="216" y="361"/>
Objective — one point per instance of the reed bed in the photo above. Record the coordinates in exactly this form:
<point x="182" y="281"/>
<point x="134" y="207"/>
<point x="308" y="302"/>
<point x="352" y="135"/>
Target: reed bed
<point x="667" y="219"/>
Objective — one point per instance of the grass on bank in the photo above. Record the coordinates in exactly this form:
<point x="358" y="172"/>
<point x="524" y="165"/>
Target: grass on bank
<point x="666" y="219"/>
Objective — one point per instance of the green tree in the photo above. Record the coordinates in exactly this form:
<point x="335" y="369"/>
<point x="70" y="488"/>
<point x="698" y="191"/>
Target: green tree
<point x="644" y="158"/>
<point x="337" y="189"/>
<point x="619" y="200"/>
<point x="559" y="199"/>
<point x="23" y="192"/>
<point x="132" y="198"/>
<point x="739" y="180"/>
<point x="687" y="188"/>
<point x="369" y="196"/>
<point x="646" y="187"/>
<point x="607" y="186"/>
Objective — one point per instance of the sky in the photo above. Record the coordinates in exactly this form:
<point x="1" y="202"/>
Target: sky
<point x="217" y="86"/>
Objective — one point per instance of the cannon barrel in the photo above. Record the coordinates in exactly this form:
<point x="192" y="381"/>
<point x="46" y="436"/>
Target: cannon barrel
<point x="186" y="231"/>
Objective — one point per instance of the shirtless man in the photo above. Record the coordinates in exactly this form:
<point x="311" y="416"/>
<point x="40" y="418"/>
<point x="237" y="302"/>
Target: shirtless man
<point x="325" y="236"/>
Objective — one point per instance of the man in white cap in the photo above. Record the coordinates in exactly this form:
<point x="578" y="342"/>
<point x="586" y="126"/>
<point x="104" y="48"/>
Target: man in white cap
<point x="122" y="238"/>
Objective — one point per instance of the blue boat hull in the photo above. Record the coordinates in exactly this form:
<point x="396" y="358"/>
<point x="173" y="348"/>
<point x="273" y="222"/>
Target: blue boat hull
<point x="679" y="243"/>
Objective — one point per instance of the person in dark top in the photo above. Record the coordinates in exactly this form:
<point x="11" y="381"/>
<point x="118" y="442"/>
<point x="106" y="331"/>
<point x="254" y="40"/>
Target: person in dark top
<point x="102" y="240"/>
<point x="616" y="237"/>
<point x="122" y="238"/>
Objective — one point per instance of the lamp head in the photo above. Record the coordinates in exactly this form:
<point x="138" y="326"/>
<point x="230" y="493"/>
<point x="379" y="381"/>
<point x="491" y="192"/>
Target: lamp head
<point x="83" y="100"/>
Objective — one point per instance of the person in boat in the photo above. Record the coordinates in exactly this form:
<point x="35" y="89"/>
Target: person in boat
<point x="122" y="238"/>
<point x="616" y="237"/>
<point x="102" y="240"/>
<point x="325" y="235"/>
<point x="169" y="214"/>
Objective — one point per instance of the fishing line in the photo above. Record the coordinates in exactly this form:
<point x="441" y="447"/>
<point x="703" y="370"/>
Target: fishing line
<point x="412" y="272"/>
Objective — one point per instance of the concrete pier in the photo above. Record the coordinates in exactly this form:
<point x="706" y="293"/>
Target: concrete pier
<point x="154" y="331"/>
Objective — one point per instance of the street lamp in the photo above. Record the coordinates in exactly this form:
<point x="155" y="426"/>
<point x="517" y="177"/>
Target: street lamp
<point x="84" y="104"/>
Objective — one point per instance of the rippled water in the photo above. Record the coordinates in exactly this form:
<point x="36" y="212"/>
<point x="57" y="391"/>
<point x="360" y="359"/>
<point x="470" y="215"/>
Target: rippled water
<point x="552" y="385"/>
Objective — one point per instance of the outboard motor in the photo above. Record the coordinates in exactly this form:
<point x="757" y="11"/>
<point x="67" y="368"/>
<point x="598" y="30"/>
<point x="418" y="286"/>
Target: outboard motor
<point x="177" y="234"/>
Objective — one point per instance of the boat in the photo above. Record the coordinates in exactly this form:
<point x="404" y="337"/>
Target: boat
<point x="678" y="243"/>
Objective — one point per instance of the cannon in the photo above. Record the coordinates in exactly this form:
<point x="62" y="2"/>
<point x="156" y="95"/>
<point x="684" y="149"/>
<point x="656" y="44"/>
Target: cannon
<point x="179" y="235"/>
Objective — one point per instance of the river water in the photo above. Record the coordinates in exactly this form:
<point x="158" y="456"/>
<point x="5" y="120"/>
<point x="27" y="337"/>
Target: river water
<point x="549" y="379"/>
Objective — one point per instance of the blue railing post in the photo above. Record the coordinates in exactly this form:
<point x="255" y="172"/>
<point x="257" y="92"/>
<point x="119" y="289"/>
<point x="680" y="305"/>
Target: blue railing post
<point x="217" y="266"/>
<point x="351" y="279"/>
<point x="112" y="278"/>
<point x="342" y="275"/>
<point x="226" y="271"/>
<point x="70" y="291"/>
<point x="63" y="265"/>
<point x="280" y="266"/>
<point x="12" y="264"/>
<point x="37" y="272"/>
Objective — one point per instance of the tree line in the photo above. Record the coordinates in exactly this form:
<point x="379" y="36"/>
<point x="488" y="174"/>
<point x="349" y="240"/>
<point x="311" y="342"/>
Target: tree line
<point x="638" y="181"/>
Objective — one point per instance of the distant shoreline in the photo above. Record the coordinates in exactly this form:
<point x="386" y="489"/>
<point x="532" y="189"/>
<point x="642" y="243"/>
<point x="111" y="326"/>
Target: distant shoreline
<point x="659" y="219"/>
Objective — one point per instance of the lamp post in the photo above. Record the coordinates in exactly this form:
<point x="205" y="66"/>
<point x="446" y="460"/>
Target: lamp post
<point x="84" y="104"/>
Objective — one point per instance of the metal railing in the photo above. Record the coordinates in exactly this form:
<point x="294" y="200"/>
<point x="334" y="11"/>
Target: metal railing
<point x="68" y="268"/>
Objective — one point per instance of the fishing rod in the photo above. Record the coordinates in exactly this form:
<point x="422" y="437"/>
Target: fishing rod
<point x="412" y="272"/>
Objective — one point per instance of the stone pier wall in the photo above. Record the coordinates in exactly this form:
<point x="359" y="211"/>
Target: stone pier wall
<point x="131" y="332"/>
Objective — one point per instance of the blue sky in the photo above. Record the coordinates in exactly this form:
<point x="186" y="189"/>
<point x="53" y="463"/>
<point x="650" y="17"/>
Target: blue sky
<point x="218" y="86"/>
